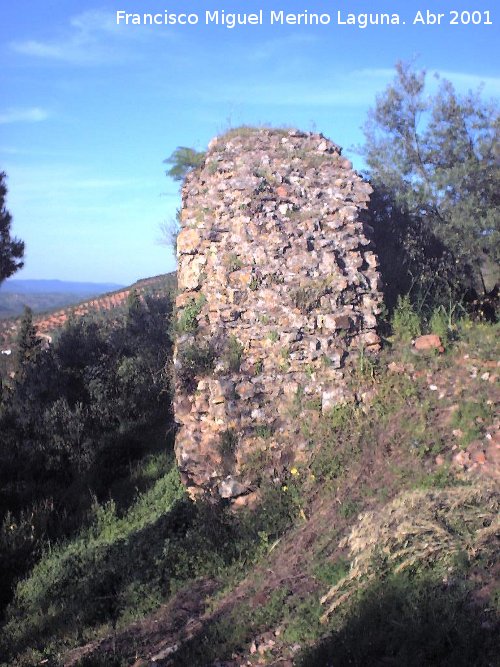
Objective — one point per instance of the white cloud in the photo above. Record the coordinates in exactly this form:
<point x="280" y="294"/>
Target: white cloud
<point x="39" y="49"/>
<point x="89" y="41"/>
<point x="62" y="178"/>
<point x="77" y="50"/>
<point x="32" y="115"/>
<point x="95" y="20"/>
<point x="7" y="150"/>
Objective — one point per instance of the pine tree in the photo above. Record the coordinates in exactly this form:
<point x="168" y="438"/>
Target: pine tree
<point x="433" y="162"/>
<point x="11" y="249"/>
<point x="28" y="342"/>
<point x="183" y="160"/>
<point x="136" y="313"/>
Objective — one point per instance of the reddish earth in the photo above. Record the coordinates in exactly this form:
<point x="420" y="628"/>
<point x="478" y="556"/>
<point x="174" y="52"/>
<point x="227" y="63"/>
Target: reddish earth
<point x="174" y="622"/>
<point x="48" y="323"/>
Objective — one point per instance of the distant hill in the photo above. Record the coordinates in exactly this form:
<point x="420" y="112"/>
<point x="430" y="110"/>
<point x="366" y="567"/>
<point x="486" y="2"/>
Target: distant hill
<point x="110" y="306"/>
<point x="13" y="285"/>
<point x="44" y="295"/>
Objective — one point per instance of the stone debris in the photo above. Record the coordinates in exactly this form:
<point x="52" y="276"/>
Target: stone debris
<point x="279" y="292"/>
<point x="429" y="342"/>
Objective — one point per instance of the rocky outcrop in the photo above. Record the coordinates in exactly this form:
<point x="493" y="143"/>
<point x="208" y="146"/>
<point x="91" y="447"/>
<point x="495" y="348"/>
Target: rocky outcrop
<point x="278" y="293"/>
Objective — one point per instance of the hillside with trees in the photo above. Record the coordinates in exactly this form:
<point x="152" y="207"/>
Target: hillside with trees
<point x="75" y="418"/>
<point x="392" y="526"/>
<point x="45" y="295"/>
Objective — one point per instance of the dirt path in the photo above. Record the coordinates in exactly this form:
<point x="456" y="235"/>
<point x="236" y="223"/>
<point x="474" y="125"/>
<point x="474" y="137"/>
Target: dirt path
<point x="157" y="636"/>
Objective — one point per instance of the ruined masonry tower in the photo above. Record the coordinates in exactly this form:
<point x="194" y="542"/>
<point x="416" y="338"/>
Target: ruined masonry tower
<point x="278" y="294"/>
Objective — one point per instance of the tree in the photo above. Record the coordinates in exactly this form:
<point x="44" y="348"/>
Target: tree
<point x="183" y="160"/>
<point x="169" y="231"/>
<point x="436" y="175"/>
<point x="28" y="342"/>
<point x="136" y="314"/>
<point x="11" y="249"/>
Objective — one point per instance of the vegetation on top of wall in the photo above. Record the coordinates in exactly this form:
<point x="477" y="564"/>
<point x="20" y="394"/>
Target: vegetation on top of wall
<point x="183" y="160"/>
<point x="248" y="130"/>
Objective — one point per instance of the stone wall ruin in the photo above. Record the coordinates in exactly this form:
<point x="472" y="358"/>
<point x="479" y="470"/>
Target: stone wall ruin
<point x="278" y="294"/>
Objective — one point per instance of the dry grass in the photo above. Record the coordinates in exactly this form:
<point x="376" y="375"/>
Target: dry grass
<point x="418" y="529"/>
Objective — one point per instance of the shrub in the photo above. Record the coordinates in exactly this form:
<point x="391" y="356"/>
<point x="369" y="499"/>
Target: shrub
<point x="258" y="367"/>
<point x="194" y="361"/>
<point x="264" y="431"/>
<point x="443" y="322"/>
<point x="233" y="262"/>
<point x="308" y="297"/>
<point x="405" y="321"/>
<point x="233" y="353"/>
<point x="187" y="321"/>
<point x="85" y="581"/>
<point x="412" y="621"/>
<point x="470" y="418"/>
<point x="183" y="160"/>
<point x="331" y="572"/>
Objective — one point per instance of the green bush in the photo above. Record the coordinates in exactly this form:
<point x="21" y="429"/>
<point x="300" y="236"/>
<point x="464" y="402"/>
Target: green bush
<point x="308" y="297"/>
<point x="73" y="425"/>
<point x="187" y="320"/>
<point x="331" y="572"/>
<point x="84" y="581"/>
<point x="471" y="417"/>
<point x="233" y="262"/>
<point x="405" y="322"/>
<point x="183" y="160"/>
<point x="264" y="431"/>
<point x="123" y="567"/>
<point x="233" y="353"/>
<point x="302" y="621"/>
<point x="335" y="452"/>
<point x="220" y="638"/>
<point x="439" y="324"/>
<point x="194" y="361"/>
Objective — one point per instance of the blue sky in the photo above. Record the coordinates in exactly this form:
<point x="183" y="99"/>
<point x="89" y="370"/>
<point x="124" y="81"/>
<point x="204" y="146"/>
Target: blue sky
<point x="89" y="109"/>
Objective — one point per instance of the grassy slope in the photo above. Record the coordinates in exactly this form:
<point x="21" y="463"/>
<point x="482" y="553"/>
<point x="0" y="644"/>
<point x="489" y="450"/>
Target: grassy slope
<point x="250" y="587"/>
